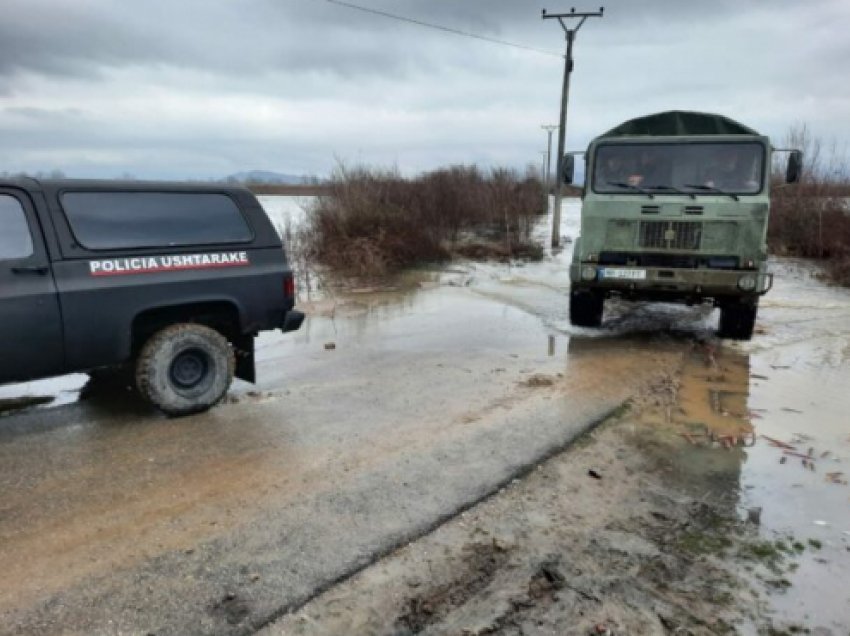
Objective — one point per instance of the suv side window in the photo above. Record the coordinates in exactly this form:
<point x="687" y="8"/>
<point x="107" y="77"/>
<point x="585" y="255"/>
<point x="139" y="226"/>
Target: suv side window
<point x="134" y="220"/>
<point x="15" y="237"/>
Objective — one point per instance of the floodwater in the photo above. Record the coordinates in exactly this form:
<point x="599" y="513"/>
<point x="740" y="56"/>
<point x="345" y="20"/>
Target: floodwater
<point x="494" y="321"/>
<point x="791" y="383"/>
<point x="798" y="394"/>
<point x="285" y="211"/>
<point x="765" y="424"/>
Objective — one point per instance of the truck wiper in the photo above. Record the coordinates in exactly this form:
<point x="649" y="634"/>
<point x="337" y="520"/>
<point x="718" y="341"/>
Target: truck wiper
<point x="711" y="189"/>
<point x="672" y="189"/>
<point x="623" y="184"/>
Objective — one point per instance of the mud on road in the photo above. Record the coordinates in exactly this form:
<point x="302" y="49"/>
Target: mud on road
<point x="559" y="552"/>
<point x="389" y="483"/>
<point x="640" y="527"/>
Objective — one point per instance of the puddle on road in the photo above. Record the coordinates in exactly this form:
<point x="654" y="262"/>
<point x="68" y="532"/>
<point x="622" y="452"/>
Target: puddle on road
<point x="18" y="403"/>
<point x="764" y="425"/>
<point x="798" y="394"/>
<point x="707" y="404"/>
<point x="41" y="393"/>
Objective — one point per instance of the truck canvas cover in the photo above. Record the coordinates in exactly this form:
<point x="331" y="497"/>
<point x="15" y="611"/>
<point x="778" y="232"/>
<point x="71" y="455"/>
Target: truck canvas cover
<point x="673" y="123"/>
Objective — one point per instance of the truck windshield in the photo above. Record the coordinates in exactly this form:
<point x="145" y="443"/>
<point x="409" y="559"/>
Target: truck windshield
<point x="696" y="168"/>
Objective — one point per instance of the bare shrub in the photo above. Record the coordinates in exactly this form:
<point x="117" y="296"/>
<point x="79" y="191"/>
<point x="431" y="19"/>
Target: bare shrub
<point x="811" y="219"/>
<point x="373" y="221"/>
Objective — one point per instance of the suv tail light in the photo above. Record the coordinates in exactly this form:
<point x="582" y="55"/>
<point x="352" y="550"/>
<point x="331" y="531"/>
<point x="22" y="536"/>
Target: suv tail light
<point x="289" y="286"/>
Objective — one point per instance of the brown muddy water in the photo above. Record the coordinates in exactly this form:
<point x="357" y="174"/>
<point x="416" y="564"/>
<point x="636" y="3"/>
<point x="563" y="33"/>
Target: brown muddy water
<point x="763" y="423"/>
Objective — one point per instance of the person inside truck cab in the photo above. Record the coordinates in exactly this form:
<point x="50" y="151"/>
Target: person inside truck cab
<point x="614" y="169"/>
<point x="650" y="170"/>
<point x="730" y="171"/>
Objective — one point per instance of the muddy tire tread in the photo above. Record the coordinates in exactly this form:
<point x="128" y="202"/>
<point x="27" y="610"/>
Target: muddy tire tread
<point x="147" y="359"/>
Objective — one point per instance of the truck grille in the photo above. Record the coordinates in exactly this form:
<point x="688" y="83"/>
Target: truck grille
<point x="668" y="259"/>
<point x="671" y="235"/>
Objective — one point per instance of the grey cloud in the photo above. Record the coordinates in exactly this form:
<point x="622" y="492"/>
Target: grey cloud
<point x="44" y="114"/>
<point x="191" y="88"/>
<point x="83" y="38"/>
<point x="63" y="38"/>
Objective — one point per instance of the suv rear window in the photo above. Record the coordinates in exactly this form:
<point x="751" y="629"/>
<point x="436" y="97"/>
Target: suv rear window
<point x="122" y="220"/>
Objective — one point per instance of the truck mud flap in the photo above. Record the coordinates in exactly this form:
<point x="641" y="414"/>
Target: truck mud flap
<point x="293" y="321"/>
<point x="246" y="369"/>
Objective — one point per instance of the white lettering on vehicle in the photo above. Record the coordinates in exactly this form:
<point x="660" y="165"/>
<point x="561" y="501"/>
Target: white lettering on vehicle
<point x="166" y="263"/>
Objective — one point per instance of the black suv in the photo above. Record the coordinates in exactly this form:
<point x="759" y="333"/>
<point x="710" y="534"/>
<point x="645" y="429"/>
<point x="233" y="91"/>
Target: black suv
<point x="173" y="281"/>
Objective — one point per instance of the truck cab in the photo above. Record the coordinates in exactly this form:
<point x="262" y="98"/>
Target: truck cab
<point x="675" y="209"/>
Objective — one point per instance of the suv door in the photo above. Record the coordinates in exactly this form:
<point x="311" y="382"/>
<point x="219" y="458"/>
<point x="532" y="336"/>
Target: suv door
<point x="30" y="322"/>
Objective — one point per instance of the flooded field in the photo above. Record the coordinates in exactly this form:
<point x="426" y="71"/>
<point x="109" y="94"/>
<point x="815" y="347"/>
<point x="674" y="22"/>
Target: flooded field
<point x="403" y="386"/>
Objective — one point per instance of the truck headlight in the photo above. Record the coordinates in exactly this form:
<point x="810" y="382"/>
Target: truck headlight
<point x="588" y="272"/>
<point x="747" y="283"/>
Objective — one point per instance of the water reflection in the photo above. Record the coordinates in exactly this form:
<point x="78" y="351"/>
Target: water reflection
<point x="704" y="415"/>
<point x="756" y="428"/>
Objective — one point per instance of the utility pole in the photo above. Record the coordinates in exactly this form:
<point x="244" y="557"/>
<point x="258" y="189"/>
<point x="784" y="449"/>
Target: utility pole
<point x="544" y="174"/>
<point x="549" y="128"/>
<point x="565" y="97"/>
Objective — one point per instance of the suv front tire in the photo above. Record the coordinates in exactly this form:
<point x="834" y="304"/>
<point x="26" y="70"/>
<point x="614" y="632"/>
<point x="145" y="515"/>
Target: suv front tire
<point x="185" y="368"/>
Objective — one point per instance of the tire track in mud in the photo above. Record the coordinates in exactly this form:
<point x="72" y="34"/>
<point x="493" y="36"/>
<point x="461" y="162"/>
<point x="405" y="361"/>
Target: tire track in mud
<point x="610" y="351"/>
<point x="518" y="474"/>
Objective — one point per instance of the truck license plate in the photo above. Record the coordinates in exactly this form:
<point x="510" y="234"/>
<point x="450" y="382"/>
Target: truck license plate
<point x="627" y="274"/>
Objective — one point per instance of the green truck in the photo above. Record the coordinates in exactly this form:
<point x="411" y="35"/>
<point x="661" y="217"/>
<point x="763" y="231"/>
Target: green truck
<point x="675" y="209"/>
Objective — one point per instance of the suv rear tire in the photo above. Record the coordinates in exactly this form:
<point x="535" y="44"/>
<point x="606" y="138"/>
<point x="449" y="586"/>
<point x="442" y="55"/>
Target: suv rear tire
<point x="738" y="320"/>
<point x="185" y="368"/>
<point x="586" y="308"/>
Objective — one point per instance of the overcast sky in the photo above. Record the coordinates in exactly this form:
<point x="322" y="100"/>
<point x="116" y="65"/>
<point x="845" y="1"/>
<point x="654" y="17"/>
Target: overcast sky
<point x="206" y="88"/>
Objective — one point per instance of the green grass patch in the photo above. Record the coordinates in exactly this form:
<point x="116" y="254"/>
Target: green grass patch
<point x="702" y="543"/>
<point x="765" y="551"/>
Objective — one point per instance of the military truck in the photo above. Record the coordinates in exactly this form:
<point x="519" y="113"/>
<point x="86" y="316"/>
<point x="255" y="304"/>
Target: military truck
<point x="168" y="281"/>
<point x="675" y="208"/>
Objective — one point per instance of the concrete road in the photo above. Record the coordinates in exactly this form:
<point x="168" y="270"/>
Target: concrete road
<point x="116" y="519"/>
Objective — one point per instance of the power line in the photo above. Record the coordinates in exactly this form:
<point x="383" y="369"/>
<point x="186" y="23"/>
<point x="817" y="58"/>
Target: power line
<point x="445" y="29"/>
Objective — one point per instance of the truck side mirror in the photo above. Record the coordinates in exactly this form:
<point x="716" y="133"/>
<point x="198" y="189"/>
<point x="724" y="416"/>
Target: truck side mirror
<point x="795" y="167"/>
<point x="568" y="169"/>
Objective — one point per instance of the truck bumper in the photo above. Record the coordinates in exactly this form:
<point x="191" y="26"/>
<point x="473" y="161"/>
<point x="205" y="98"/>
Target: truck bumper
<point x="292" y="321"/>
<point x="670" y="282"/>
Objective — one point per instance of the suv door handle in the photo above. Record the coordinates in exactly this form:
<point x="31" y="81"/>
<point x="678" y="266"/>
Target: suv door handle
<point x="41" y="271"/>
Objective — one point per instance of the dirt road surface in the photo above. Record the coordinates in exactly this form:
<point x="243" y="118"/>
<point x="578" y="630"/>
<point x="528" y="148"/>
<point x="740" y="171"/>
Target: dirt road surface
<point x="402" y="410"/>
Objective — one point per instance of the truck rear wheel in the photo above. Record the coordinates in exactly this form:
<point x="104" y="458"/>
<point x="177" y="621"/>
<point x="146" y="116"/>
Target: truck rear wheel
<point x="586" y="308"/>
<point x="737" y="320"/>
<point x="185" y="368"/>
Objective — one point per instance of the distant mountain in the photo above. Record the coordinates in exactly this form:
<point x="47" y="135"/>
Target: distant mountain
<point x="268" y="177"/>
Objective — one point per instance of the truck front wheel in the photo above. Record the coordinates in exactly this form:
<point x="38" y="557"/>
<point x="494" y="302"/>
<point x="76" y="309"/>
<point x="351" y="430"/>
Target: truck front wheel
<point x="586" y="308"/>
<point x="185" y="368"/>
<point x="737" y="320"/>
